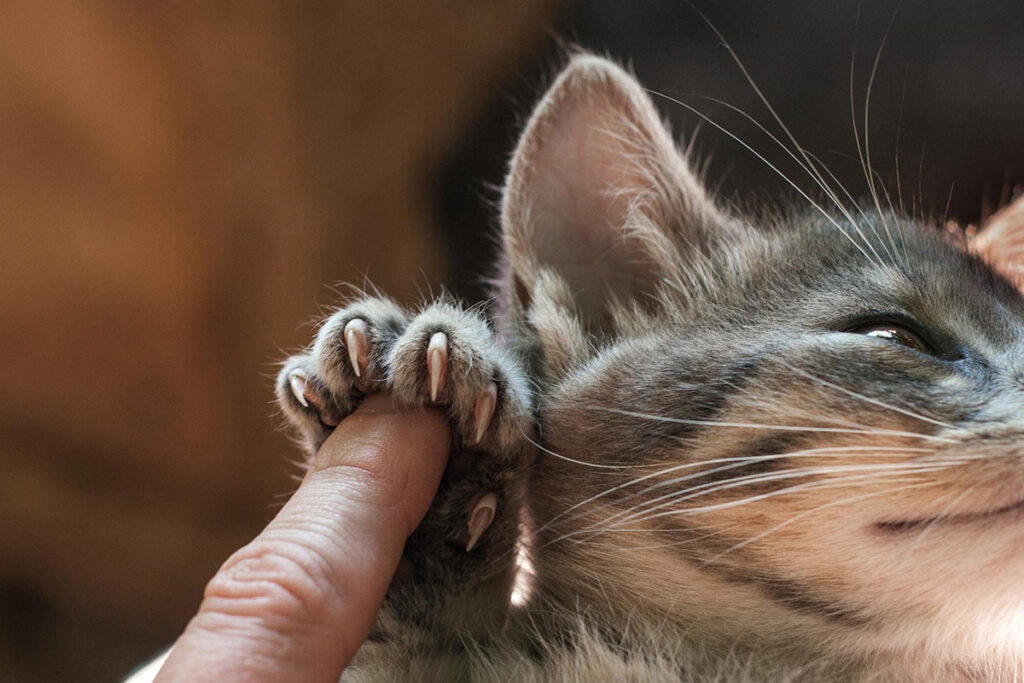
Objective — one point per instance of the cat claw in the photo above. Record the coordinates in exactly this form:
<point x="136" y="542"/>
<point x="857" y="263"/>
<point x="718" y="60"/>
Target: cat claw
<point x="297" y="381"/>
<point x="357" y="344"/>
<point x="481" y="518"/>
<point x="437" y="361"/>
<point x="484" y="411"/>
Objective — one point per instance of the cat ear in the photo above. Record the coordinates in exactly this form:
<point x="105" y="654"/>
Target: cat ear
<point x="598" y="195"/>
<point x="1001" y="242"/>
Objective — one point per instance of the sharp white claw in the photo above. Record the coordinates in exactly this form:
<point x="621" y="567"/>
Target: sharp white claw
<point x="481" y="518"/>
<point x="437" y="361"/>
<point x="484" y="411"/>
<point x="297" y="381"/>
<point x="358" y="346"/>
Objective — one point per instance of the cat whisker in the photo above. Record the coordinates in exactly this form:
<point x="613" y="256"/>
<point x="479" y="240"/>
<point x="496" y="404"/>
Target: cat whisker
<point x="835" y="452"/>
<point x="595" y="465"/>
<point x="876" y="259"/>
<point x="778" y="119"/>
<point x="770" y="427"/>
<point x="793" y="411"/>
<point x="702" y="490"/>
<point x="718" y="530"/>
<point x="818" y="509"/>
<point x="642" y="512"/>
<point x="824" y="452"/>
<point x="867" y="131"/>
<point x="867" y="399"/>
<point x="814" y="485"/>
<point x="783" y="410"/>
<point x="787" y="410"/>
<point x="732" y="462"/>
<point x="943" y="514"/>
<point x="813" y="172"/>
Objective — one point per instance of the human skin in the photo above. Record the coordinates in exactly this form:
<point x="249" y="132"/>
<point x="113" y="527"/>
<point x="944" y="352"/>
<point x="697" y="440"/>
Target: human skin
<point x="295" y="603"/>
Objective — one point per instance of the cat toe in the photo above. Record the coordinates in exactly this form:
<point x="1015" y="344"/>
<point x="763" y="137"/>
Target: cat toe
<point x="297" y="381"/>
<point x="449" y="357"/>
<point x="357" y="344"/>
<point x="306" y="403"/>
<point x="352" y="345"/>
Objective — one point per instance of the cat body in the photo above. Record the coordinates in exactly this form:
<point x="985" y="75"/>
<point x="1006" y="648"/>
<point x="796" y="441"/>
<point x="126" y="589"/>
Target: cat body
<point x="699" y="445"/>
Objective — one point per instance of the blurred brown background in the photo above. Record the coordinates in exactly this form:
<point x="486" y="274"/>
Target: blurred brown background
<point x="179" y="183"/>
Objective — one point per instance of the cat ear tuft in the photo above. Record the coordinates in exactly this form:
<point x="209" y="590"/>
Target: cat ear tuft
<point x="1001" y="242"/>
<point x="598" y="194"/>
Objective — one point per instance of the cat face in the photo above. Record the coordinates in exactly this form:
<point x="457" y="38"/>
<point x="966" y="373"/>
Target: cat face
<point x="801" y="429"/>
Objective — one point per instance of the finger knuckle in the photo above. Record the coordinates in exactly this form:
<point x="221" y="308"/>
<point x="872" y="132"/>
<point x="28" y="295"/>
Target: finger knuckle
<point x="286" y="586"/>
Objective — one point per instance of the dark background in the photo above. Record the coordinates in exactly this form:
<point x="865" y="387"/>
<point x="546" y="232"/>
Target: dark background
<point x="179" y="183"/>
<point x="947" y="99"/>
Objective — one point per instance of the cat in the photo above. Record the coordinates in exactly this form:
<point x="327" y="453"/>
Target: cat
<point x="696" y="444"/>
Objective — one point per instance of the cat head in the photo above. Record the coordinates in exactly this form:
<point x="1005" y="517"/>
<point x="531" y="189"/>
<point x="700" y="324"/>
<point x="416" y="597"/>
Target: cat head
<point x="803" y="428"/>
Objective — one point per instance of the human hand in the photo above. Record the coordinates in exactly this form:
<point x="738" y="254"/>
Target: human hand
<point x="297" y="602"/>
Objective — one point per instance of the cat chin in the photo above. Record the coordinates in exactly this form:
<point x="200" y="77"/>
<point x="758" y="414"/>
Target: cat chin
<point x="983" y="641"/>
<point x="991" y="652"/>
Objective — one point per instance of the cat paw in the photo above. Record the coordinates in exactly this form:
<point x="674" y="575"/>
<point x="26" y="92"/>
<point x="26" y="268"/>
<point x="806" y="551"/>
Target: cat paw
<point x="444" y="356"/>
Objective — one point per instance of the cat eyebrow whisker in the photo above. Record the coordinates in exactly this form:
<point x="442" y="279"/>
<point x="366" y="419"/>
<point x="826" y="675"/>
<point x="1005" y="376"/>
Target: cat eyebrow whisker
<point x="877" y="260"/>
<point x="838" y="183"/>
<point x="811" y="171"/>
<point x="904" y="258"/>
<point x="810" y="166"/>
<point x="865" y="153"/>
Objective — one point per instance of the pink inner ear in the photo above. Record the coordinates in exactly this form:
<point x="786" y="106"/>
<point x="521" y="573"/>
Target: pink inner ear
<point x="581" y="179"/>
<point x="593" y="149"/>
<point x="1001" y="241"/>
<point x="600" y="147"/>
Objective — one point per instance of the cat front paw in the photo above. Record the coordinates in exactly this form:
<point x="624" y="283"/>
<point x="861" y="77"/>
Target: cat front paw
<point x="444" y="356"/>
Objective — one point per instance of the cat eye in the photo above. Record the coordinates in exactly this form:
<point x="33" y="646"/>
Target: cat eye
<point x="896" y="334"/>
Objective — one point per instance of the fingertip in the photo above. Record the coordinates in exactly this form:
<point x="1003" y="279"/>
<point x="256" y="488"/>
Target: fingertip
<point x="404" y="451"/>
